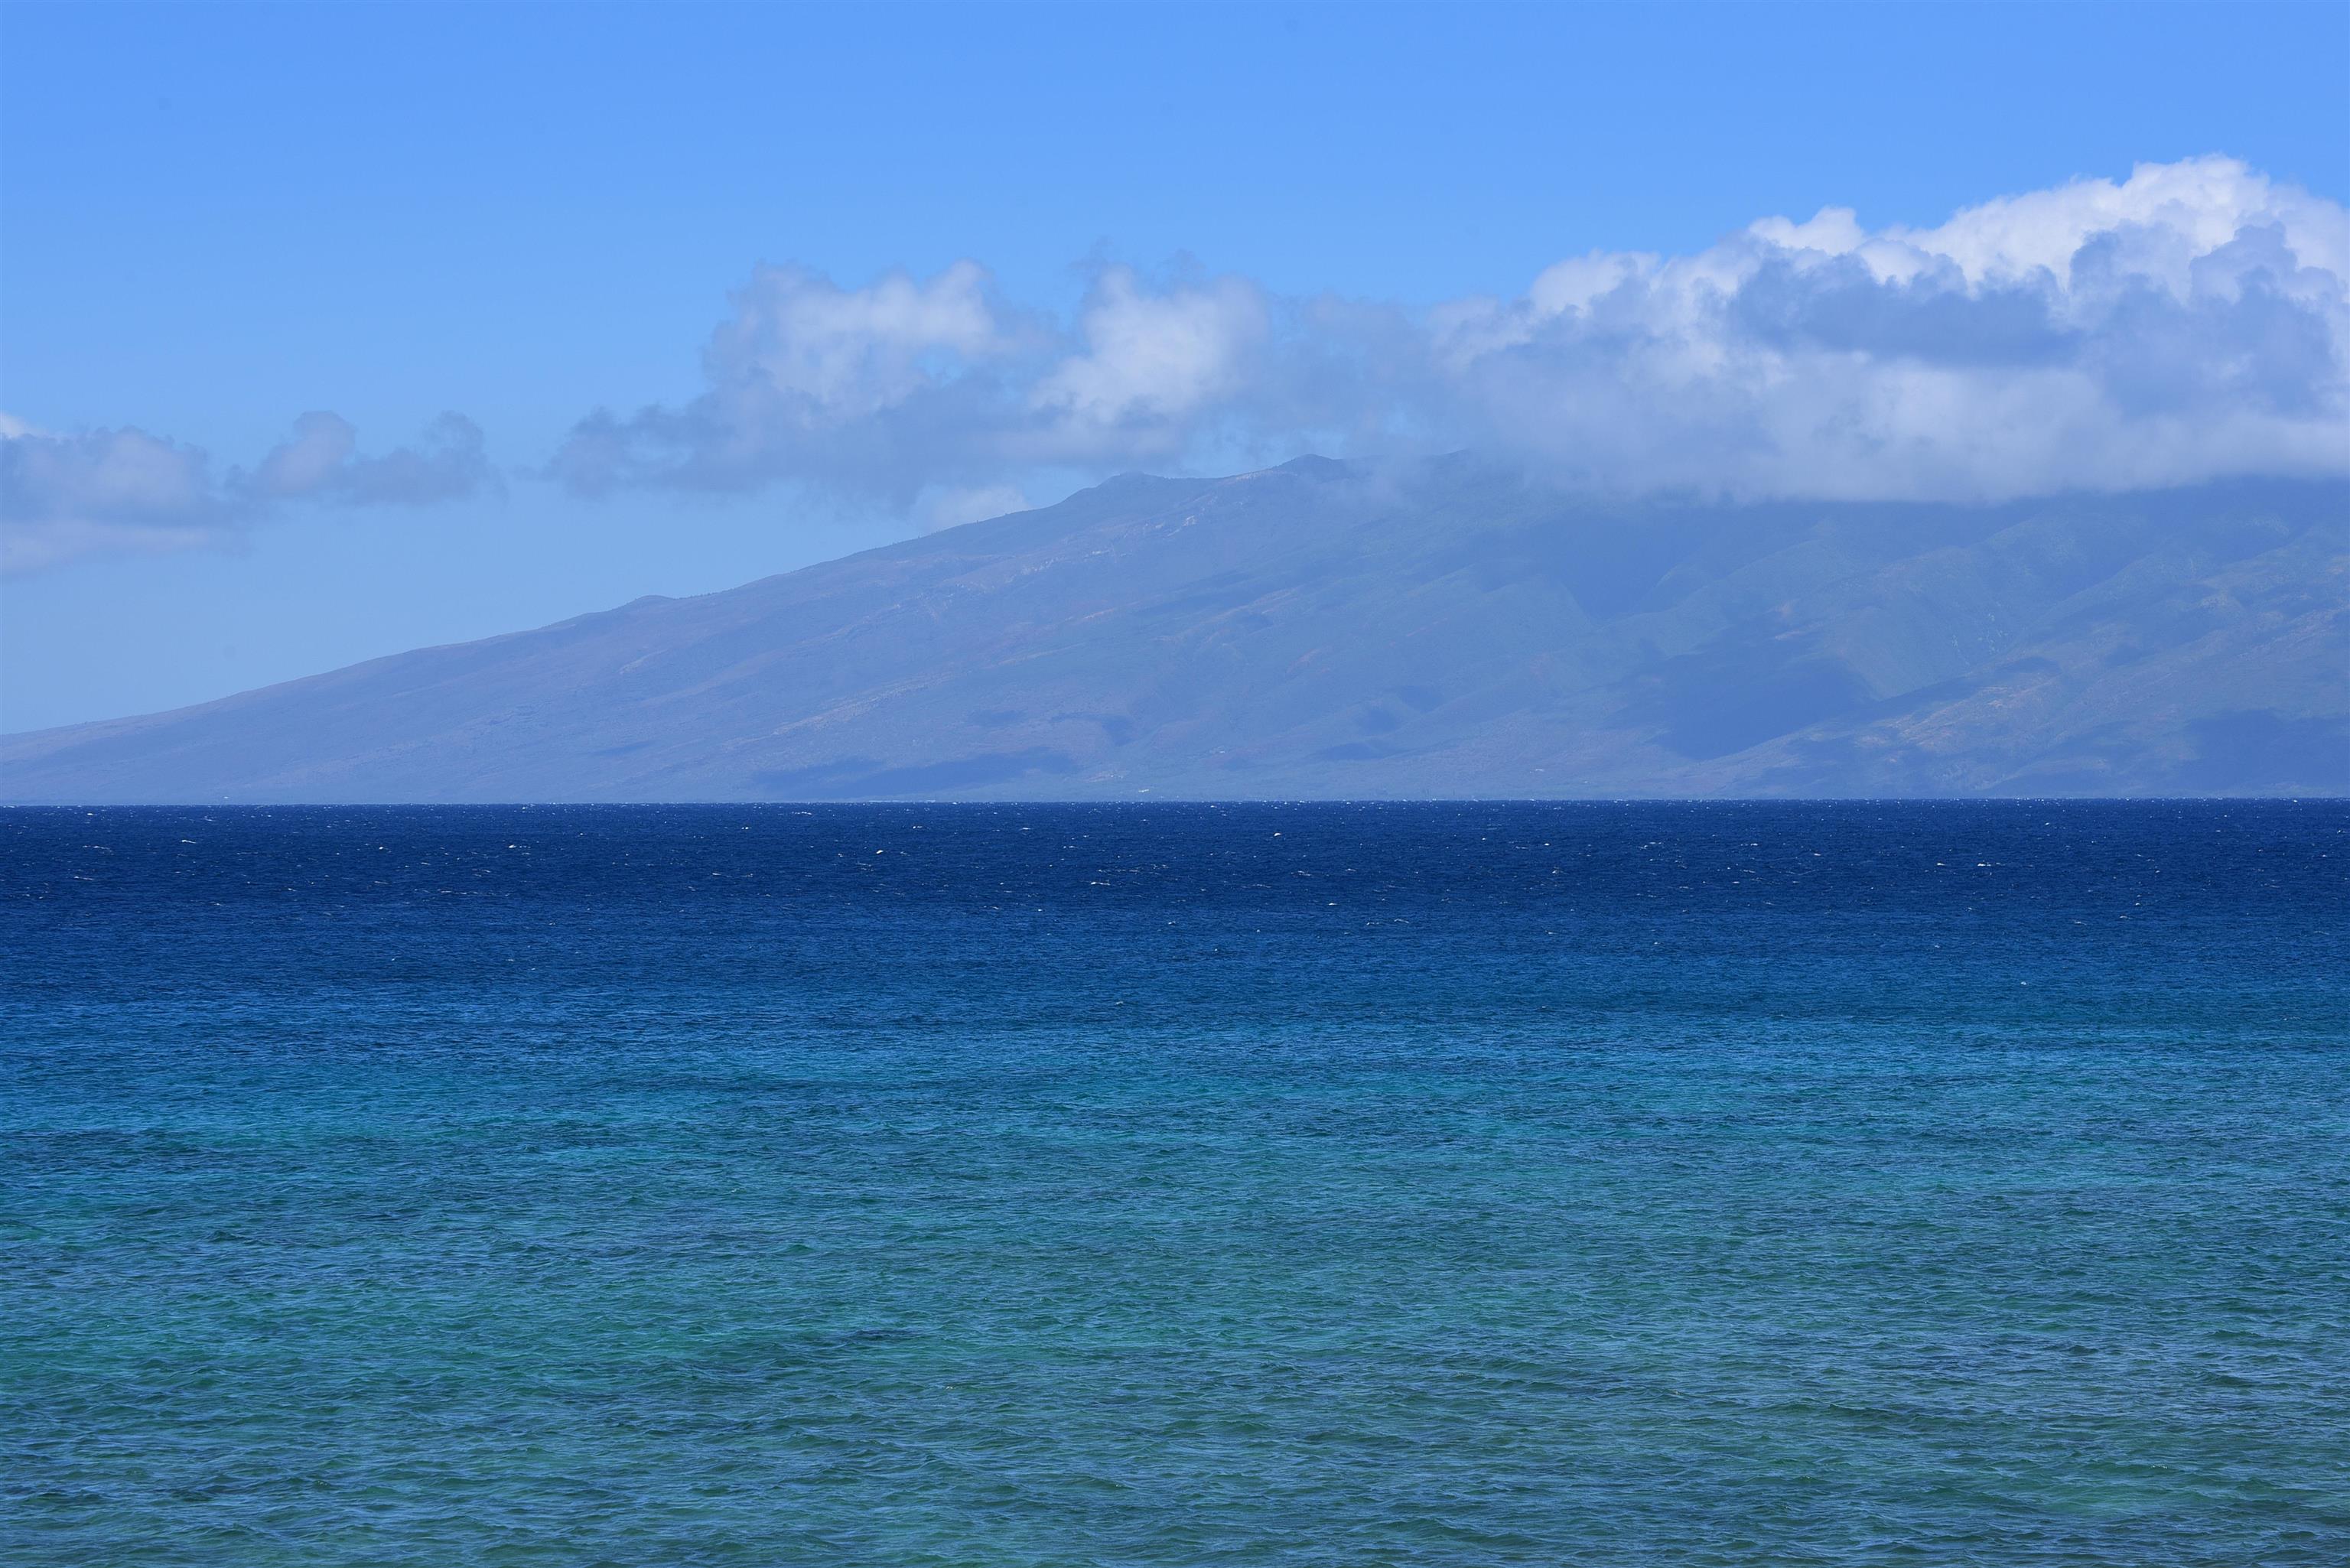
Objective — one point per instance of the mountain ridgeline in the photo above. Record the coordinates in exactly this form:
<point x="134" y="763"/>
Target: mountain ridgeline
<point x="1317" y="630"/>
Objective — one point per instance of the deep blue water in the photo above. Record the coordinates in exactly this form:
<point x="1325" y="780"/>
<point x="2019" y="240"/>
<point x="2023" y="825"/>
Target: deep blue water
<point x="1332" y="1185"/>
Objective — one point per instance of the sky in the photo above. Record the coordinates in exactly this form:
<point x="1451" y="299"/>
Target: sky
<point x="330" y="331"/>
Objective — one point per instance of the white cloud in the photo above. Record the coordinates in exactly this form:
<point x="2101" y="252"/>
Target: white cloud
<point x="1151" y="361"/>
<point x="2171" y="213"/>
<point x="124" y="491"/>
<point x="850" y="352"/>
<point x="120" y="489"/>
<point x="909" y="384"/>
<point x="451" y="462"/>
<point x="2185" y="324"/>
<point x="2188" y="322"/>
<point x="321" y="444"/>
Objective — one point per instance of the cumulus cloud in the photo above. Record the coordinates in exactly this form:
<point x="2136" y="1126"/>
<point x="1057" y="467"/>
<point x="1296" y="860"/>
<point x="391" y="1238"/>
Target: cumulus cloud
<point x="66" y="495"/>
<point x="909" y="385"/>
<point x="810" y="380"/>
<point x="2186" y="323"/>
<point x="1151" y="362"/>
<point x="321" y="462"/>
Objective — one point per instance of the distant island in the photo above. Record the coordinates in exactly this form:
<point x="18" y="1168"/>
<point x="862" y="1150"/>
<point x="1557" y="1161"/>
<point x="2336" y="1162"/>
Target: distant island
<point x="1319" y="630"/>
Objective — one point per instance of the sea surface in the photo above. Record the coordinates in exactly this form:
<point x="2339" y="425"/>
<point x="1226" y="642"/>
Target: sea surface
<point x="1605" y="1184"/>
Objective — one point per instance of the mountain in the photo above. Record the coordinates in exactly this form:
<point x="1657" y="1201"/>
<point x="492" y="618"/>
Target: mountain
<point x="1318" y="629"/>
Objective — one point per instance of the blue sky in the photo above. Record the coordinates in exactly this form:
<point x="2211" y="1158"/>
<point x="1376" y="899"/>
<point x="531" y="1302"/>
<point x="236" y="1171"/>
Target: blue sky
<point x="214" y="220"/>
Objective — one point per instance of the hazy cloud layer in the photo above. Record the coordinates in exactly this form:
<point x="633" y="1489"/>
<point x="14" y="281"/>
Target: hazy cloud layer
<point x="64" y="496"/>
<point x="909" y="386"/>
<point x="2187" y="323"/>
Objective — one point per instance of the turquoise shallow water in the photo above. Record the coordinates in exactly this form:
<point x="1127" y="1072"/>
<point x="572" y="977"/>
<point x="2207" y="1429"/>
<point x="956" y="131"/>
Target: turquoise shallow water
<point x="1581" y="1184"/>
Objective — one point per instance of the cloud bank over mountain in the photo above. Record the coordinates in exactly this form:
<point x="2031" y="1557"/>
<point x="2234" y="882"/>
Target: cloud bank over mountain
<point x="125" y="490"/>
<point x="2185" y="324"/>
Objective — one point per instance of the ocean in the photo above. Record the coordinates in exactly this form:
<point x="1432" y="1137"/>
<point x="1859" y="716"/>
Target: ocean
<point x="1589" y="1183"/>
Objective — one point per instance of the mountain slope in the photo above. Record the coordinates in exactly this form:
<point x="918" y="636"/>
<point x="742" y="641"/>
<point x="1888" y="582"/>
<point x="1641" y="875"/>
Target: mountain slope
<point x="1312" y="630"/>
